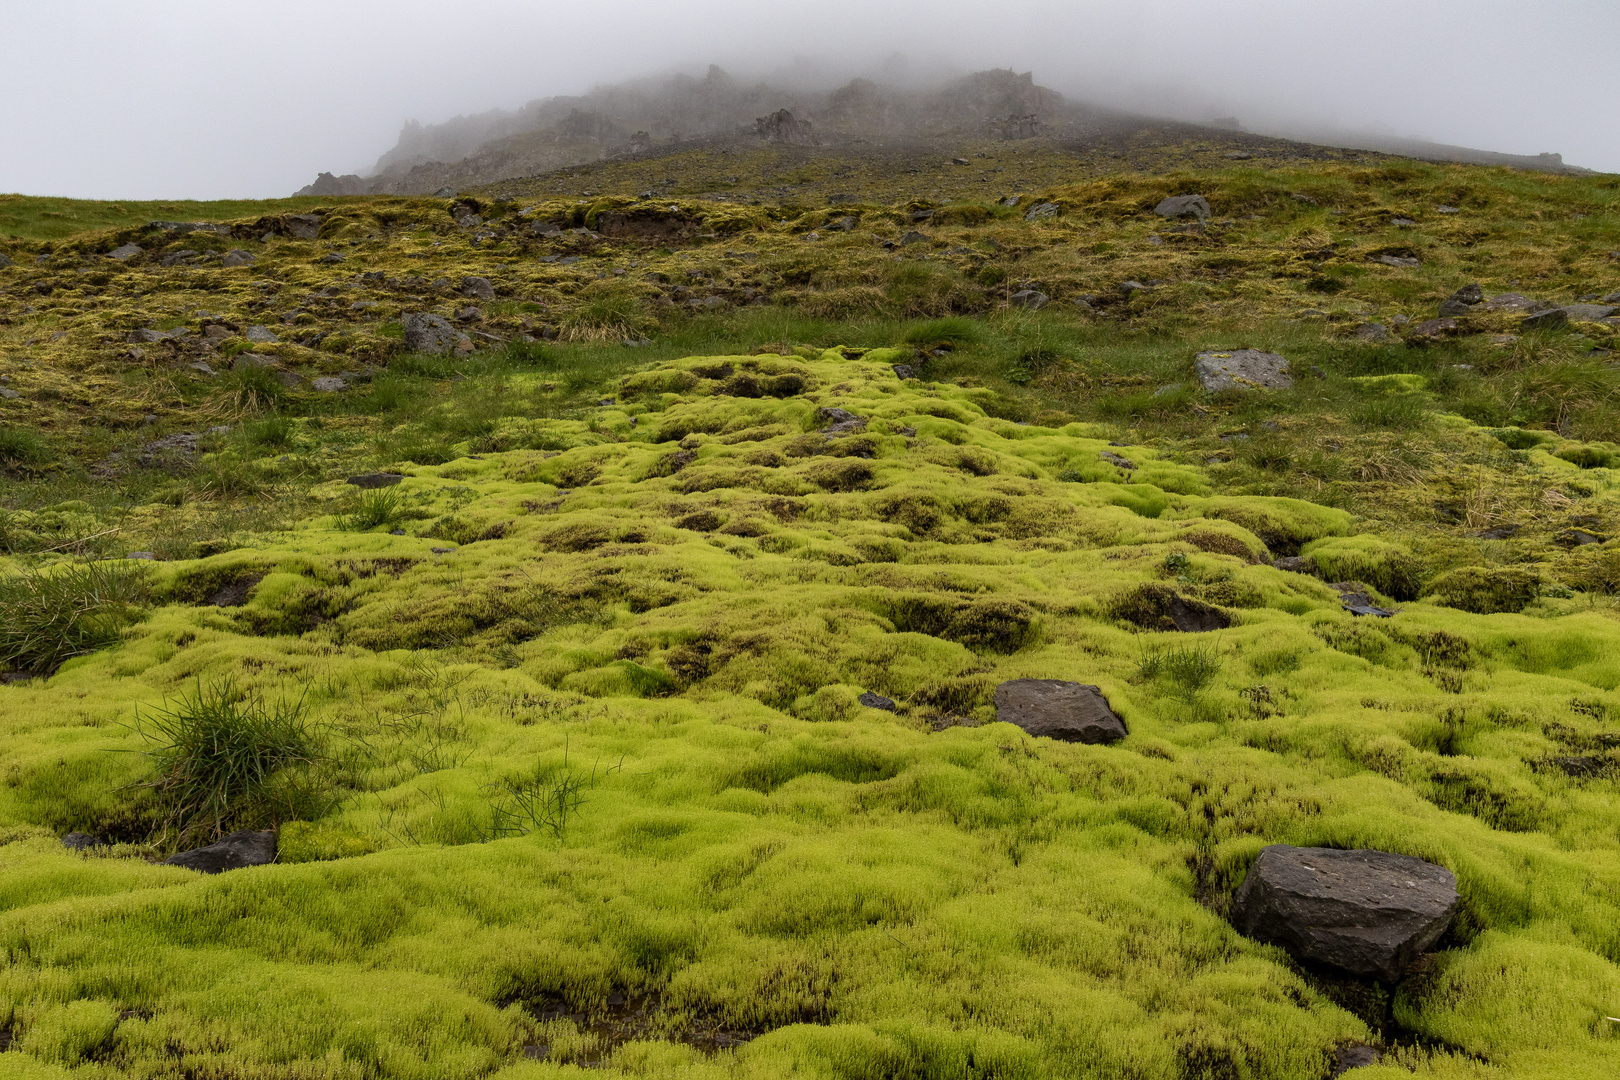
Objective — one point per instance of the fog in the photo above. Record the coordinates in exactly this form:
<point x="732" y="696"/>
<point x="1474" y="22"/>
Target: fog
<point x="221" y="99"/>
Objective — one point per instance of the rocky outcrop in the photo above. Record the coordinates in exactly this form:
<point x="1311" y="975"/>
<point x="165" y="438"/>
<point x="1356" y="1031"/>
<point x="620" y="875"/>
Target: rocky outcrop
<point x="1370" y="913"/>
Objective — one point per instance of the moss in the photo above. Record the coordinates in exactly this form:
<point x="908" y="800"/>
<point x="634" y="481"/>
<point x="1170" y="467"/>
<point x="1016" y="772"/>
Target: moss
<point x="1390" y="568"/>
<point x="1486" y="590"/>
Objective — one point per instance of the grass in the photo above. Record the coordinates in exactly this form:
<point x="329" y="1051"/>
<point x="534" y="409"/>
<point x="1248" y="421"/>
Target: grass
<point x="50" y="617"/>
<point x="225" y="758"/>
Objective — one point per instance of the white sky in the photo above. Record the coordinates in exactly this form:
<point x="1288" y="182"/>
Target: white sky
<point x="237" y="98"/>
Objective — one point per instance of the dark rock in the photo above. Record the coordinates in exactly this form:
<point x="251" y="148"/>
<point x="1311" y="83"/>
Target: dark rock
<point x="1501" y="532"/>
<point x="913" y="237"/>
<point x="428" y="333"/>
<point x="904" y="371"/>
<point x="1590" y="312"/>
<point x="236" y="593"/>
<point x="876" y="701"/>
<point x="1554" y="319"/>
<point x="239" y="257"/>
<point x="1181" y="205"/>
<point x="328" y="384"/>
<point x="304" y="226"/>
<point x="127" y="251"/>
<point x="1114" y="459"/>
<point x="782" y="128"/>
<point x="1361" y="604"/>
<point x="251" y="360"/>
<point x="921" y="215"/>
<point x="446" y="193"/>
<point x="1470" y="295"/>
<point x="1432" y="330"/>
<point x="1573" y="538"/>
<point x="145" y="337"/>
<point x="1354" y="1056"/>
<point x="544" y="228"/>
<point x="1510" y="302"/>
<point x="1576" y="768"/>
<point x="1242" y="369"/>
<point x="234" y="852"/>
<point x="78" y="841"/>
<point x="1067" y="711"/>
<point x="1369" y="913"/>
<point x="5" y="261"/>
<point x="375" y="480"/>
<point x="477" y="286"/>
<point x="1041" y="210"/>
<point x="1376" y="333"/>
<point x="1033" y="299"/>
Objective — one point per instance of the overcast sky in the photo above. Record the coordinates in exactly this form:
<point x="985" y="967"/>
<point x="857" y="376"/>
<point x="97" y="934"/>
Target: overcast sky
<point x="235" y="98"/>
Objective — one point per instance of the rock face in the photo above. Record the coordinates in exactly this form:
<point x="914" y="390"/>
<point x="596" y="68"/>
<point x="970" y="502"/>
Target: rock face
<point x="304" y="226"/>
<point x="235" y="851"/>
<point x="1067" y="711"/>
<point x="428" y="333"/>
<point x="1242" y="369"/>
<point x="1369" y="913"/>
<point x="1182" y="205"/>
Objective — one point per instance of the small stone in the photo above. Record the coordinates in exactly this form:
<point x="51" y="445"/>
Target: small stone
<point x="1012" y="200"/>
<point x="1555" y="319"/>
<point x="904" y="371"/>
<point x="1242" y="369"/>
<point x="201" y="368"/>
<point x="1295" y="564"/>
<point x="876" y="701"/>
<point x="477" y="287"/>
<point x="1376" y="333"/>
<point x="78" y="841"/>
<point x="1590" y="312"/>
<point x="433" y="334"/>
<point x="334" y="257"/>
<point x="1402" y="222"/>
<point x="1370" y="913"/>
<point x="1403" y="261"/>
<point x="1114" y="459"/>
<point x="238" y="257"/>
<point x="1182" y="205"/>
<point x="1237" y="155"/>
<point x="261" y="335"/>
<point x="913" y="237"/>
<point x="1354" y="1056"/>
<point x="1053" y="708"/>
<point x="1447" y="210"/>
<point x="1432" y="330"/>
<point x="124" y="253"/>
<point x="145" y="555"/>
<point x="5" y="261"/>
<point x="238" y="850"/>
<point x="328" y="384"/>
<point x="960" y="161"/>
<point x="1041" y="210"/>
<point x="251" y="360"/>
<point x="367" y="481"/>
<point x="1032" y="299"/>
<point x="146" y="337"/>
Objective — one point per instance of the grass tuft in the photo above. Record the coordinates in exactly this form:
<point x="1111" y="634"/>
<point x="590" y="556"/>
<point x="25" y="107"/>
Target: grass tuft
<point x="49" y="617"/>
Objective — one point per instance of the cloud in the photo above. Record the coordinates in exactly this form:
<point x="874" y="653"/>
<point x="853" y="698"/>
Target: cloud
<point x="181" y="98"/>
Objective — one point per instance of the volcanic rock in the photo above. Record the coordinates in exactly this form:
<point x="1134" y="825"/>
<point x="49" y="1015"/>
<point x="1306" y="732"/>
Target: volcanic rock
<point x="1242" y="369"/>
<point x="876" y="701"/>
<point x="235" y="851"/>
<point x="1552" y="319"/>
<point x="1067" y="711"/>
<point x="1370" y="913"/>
<point x="429" y="333"/>
<point x="1181" y="205"/>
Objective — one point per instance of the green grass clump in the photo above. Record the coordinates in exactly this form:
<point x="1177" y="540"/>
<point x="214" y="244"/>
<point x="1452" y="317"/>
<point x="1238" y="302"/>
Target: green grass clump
<point x="21" y="448"/>
<point x="225" y="758"/>
<point x="375" y="509"/>
<point x="47" y="617"/>
<point x="1186" y="669"/>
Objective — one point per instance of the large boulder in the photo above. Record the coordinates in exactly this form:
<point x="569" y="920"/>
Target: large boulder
<point x="1067" y="711"/>
<point x="239" y="849"/>
<point x="1242" y="369"/>
<point x="1369" y="913"/>
<point x="429" y="333"/>
<point x="1182" y="205"/>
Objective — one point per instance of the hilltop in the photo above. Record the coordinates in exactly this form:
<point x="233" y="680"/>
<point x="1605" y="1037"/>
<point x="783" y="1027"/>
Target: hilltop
<point x="602" y="580"/>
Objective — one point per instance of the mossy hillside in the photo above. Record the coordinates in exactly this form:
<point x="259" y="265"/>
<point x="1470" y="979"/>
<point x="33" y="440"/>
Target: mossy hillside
<point x="675" y="606"/>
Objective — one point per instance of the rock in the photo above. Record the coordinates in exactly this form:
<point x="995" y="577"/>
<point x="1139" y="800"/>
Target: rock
<point x="234" y="852"/>
<point x="261" y="335"/>
<point x="304" y="226"/>
<point x="1573" y="538"/>
<point x="1181" y="205"/>
<point x="1295" y="564"/>
<point x="477" y="287"/>
<point x="1612" y="298"/>
<point x="1448" y="210"/>
<point x="1354" y="1056"/>
<point x="1510" y="302"/>
<point x="333" y="257"/>
<point x="1501" y="532"/>
<point x="428" y="333"/>
<point x="843" y="224"/>
<point x="1555" y="319"/>
<point x="1041" y="210"/>
<point x="1377" y="333"/>
<point x="782" y="128"/>
<point x="368" y="481"/>
<point x="1357" y="603"/>
<point x="1238" y="155"/>
<point x="201" y="367"/>
<point x="9" y="394"/>
<point x="1067" y="711"/>
<point x="913" y="237"/>
<point x="470" y="314"/>
<point x="1033" y="299"/>
<point x="1397" y="260"/>
<point x="145" y="555"/>
<point x="239" y="257"/>
<point x="1590" y="312"/>
<point x="544" y="228"/>
<point x="921" y="215"/>
<point x="1363" y="912"/>
<point x="128" y="251"/>
<point x="145" y="337"/>
<point x="78" y="841"/>
<point x="1402" y="222"/>
<point x="1462" y="301"/>
<point x="5" y="261"/>
<point x="1242" y="369"/>
<point x="1432" y="330"/>
<point x="904" y="371"/>
<point x="876" y="701"/>
<point x="960" y="161"/>
<point x="328" y="384"/>
<point x="251" y="360"/>
<point x="446" y="193"/>
<point x="1114" y="459"/>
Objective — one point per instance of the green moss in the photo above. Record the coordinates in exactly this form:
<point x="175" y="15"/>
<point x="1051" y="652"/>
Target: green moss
<point x="1485" y="590"/>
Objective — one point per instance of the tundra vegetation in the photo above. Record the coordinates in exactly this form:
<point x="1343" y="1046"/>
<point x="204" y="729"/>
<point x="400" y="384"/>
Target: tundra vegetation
<point x="557" y="714"/>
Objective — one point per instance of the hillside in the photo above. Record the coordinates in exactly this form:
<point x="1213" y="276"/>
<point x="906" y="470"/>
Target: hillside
<point x="616" y="653"/>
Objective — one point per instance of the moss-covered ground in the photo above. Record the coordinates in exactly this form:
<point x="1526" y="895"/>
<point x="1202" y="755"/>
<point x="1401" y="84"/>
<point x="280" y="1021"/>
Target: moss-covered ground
<point x="589" y="782"/>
